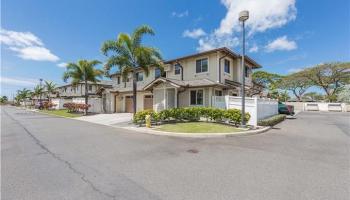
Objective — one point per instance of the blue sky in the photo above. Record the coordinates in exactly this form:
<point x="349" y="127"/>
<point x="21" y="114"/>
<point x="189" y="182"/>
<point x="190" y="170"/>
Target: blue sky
<point x="284" y="35"/>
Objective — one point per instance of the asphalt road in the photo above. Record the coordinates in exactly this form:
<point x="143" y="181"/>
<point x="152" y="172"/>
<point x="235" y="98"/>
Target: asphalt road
<point x="46" y="157"/>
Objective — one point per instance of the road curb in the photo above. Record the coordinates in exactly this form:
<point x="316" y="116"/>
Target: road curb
<point x="207" y="135"/>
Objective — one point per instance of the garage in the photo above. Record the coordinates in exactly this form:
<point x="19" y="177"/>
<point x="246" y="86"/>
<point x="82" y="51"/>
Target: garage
<point x="128" y="104"/>
<point x="148" y="102"/>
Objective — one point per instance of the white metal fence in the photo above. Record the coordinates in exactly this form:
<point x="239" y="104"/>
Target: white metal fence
<point x="258" y="108"/>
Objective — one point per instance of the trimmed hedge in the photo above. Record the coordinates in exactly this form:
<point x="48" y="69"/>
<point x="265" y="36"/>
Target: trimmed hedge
<point x="192" y="114"/>
<point x="76" y="107"/>
<point x="271" y="121"/>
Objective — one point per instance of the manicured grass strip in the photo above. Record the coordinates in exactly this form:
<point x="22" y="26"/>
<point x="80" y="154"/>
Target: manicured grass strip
<point x="63" y="113"/>
<point x="198" y="127"/>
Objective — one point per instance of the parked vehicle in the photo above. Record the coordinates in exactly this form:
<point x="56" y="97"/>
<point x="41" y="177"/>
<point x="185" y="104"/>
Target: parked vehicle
<point x="285" y="109"/>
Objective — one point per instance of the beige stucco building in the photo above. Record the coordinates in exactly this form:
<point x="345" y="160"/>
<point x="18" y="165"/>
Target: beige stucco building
<point x="187" y="81"/>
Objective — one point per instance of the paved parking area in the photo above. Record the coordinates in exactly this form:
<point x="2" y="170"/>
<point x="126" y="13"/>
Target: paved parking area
<point x="108" y="119"/>
<point x="48" y="157"/>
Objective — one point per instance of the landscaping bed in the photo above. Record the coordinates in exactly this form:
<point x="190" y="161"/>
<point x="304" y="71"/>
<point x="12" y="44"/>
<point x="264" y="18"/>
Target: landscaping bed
<point x="62" y="113"/>
<point x="198" y="127"/>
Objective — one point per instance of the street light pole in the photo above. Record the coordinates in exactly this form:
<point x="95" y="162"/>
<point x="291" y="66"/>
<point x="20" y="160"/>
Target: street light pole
<point x="40" y="101"/>
<point x="243" y="16"/>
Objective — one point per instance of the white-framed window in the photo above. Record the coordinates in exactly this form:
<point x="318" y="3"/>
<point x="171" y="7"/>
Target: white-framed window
<point x="196" y="97"/>
<point x="218" y="93"/>
<point x="227" y="67"/>
<point x="139" y="76"/>
<point x="90" y="88"/>
<point x="177" y="69"/>
<point x="118" y="80"/>
<point x="202" y="65"/>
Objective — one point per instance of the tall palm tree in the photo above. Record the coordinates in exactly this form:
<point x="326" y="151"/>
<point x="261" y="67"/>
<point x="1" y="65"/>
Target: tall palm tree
<point x="83" y="71"/>
<point x="37" y="91"/>
<point x="50" y="87"/>
<point x="22" y="95"/>
<point x="130" y="55"/>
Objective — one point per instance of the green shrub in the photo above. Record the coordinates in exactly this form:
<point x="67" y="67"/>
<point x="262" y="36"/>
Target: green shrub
<point x="271" y="121"/>
<point x="235" y="116"/>
<point x="216" y="114"/>
<point x="192" y="114"/>
<point x="139" y="117"/>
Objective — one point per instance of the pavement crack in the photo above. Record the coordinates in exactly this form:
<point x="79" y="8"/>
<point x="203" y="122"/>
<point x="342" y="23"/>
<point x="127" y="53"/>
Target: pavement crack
<point x="67" y="163"/>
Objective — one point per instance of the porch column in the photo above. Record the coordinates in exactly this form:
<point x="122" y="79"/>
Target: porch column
<point x="175" y="97"/>
<point x="165" y="99"/>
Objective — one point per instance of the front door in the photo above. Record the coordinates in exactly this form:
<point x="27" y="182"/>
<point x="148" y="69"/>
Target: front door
<point x="148" y="102"/>
<point x="128" y="104"/>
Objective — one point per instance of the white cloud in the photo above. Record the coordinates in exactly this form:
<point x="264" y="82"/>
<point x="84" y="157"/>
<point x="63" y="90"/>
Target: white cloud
<point x="18" y="81"/>
<point x="210" y="42"/>
<point x="264" y="15"/>
<point x="180" y="14"/>
<point x="253" y="49"/>
<point x="195" y="33"/>
<point x="281" y="43"/>
<point x="63" y="65"/>
<point x="26" y="45"/>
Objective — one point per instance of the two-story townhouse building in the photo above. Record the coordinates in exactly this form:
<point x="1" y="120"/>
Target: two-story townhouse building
<point x="187" y="81"/>
<point x="69" y="91"/>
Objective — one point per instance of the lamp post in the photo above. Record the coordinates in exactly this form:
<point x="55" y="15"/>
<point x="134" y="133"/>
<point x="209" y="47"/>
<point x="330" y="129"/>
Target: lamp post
<point x="40" y="101"/>
<point x="243" y="16"/>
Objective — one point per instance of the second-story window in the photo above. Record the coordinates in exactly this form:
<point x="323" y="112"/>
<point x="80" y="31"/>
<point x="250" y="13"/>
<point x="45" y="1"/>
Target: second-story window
<point x="118" y="80"/>
<point x="158" y="73"/>
<point x="246" y="71"/>
<point x="227" y="66"/>
<point x="139" y="76"/>
<point x="202" y="65"/>
<point x="177" y="69"/>
<point x="90" y="88"/>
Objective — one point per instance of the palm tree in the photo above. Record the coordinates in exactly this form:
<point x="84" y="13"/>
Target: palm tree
<point x="83" y="71"/>
<point x="22" y="95"/>
<point x="129" y="55"/>
<point x="50" y="87"/>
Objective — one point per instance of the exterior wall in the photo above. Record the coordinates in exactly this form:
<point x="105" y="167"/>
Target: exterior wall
<point x="59" y="102"/>
<point x="96" y="105"/>
<point x="140" y="84"/>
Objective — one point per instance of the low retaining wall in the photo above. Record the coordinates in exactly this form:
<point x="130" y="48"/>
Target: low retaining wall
<point x="320" y="106"/>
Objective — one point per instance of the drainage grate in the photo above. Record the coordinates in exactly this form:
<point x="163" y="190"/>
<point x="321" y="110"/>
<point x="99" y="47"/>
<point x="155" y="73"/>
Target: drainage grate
<point x="192" y="151"/>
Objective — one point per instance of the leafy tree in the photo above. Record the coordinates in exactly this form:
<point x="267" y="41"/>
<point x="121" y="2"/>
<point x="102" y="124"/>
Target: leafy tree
<point x="295" y="83"/>
<point x="130" y="55"/>
<point x="314" y="96"/>
<point x="270" y="82"/>
<point x="83" y="71"/>
<point x="3" y="99"/>
<point x="344" y="94"/>
<point x="50" y="87"/>
<point x="330" y="77"/>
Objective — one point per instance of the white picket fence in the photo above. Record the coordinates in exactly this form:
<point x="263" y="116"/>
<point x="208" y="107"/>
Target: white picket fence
<point x="258" y="108"/>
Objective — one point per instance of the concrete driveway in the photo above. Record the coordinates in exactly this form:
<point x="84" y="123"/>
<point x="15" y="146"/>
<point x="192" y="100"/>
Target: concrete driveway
<point x="47" y="157"/>
<point x="108" y="119"/>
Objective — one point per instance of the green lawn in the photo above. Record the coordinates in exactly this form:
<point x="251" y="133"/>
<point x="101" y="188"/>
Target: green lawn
<point x="63" y="113"/>
<point x="198" y="127"/>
